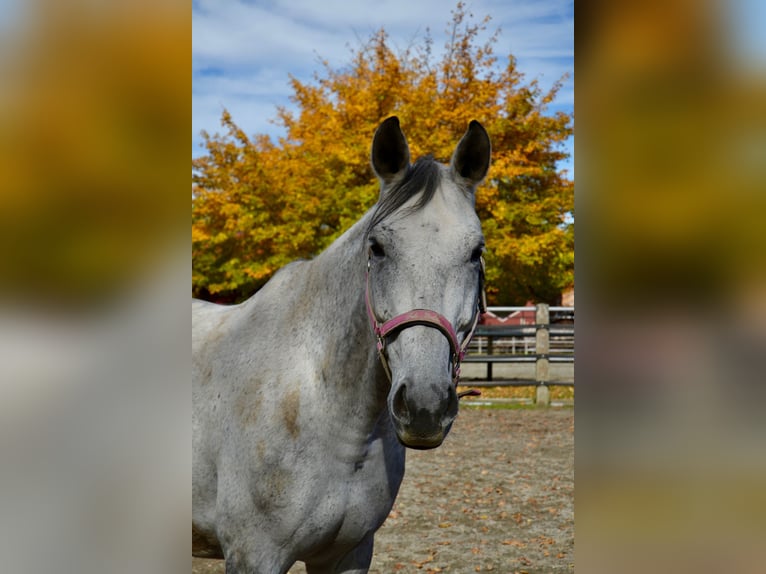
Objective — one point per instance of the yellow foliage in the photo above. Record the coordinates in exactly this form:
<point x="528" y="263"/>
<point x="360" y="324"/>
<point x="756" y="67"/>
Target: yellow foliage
<point x="258" y="204"/>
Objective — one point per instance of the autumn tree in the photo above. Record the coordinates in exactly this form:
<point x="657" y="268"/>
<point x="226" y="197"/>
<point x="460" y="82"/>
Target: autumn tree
<point x="258" y="204"/>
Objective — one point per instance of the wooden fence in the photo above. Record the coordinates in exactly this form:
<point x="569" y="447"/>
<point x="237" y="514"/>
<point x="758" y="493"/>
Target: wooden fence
<point x="541" y="335"/>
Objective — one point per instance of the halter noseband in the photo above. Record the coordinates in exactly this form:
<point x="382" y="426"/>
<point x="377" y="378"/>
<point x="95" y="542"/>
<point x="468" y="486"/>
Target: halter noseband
<point x="426" y="318"/>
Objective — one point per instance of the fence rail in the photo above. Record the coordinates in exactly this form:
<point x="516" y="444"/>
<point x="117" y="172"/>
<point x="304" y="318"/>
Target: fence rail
<point x="542" y="342"/>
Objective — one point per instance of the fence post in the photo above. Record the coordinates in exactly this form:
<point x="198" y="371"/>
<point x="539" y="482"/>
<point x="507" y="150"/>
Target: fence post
<point x="542" y="348"/>
<point x="489" y="352"/>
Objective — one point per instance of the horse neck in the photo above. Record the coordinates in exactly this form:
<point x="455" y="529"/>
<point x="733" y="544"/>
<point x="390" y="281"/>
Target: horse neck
<point x="345" y="342"/>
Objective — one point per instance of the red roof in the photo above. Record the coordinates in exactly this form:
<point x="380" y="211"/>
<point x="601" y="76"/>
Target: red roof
<point x="523" y="317"/>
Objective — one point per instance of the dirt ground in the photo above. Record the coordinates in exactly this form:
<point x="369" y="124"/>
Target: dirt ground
<point x="497" y="496"/>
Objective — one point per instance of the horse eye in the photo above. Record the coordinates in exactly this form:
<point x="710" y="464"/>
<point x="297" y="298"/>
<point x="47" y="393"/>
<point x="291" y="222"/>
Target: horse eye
<point x="376" y="249"/>
<point x="476" y="254"/>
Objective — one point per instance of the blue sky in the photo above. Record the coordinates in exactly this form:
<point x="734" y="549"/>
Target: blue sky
<point x="243" y="51"/>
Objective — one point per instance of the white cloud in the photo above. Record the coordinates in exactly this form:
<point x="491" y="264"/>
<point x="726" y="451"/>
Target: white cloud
<point x="254" y="116"/>
<point x="243" y="52"/>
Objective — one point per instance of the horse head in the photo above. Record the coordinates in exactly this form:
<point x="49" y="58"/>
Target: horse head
<point x="424" y="283"/>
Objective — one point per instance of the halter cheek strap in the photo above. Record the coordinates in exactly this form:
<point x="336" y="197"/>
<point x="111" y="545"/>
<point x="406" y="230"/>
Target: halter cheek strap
<point x="426" y="318"/>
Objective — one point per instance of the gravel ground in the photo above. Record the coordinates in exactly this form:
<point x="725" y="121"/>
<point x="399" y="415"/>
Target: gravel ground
<point x="497" y="496"/>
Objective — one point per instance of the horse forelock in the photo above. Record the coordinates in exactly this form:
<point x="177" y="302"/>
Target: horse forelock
<point x="422" y="177"/>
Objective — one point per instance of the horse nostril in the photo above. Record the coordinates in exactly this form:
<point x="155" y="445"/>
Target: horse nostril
<point x="400" y="404"/>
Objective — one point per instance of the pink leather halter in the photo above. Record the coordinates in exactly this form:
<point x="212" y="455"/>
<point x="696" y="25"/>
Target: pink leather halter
<point x="426" y="318"/>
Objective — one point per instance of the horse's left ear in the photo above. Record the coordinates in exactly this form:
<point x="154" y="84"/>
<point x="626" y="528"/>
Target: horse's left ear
<point x="471" y="158"/>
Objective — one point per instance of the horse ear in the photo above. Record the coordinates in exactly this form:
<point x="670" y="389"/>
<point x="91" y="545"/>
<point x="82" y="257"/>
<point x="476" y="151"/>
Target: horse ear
<point x="471" y="158"/>
<point x="390" y="152"/>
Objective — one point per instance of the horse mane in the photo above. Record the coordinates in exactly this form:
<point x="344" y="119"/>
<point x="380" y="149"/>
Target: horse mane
<point x="422" y="176"/>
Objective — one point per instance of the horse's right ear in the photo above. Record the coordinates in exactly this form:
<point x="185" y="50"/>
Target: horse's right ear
<point x="390" y="152"/>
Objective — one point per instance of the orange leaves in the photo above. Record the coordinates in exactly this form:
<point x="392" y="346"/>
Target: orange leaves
<point x="257" y="204"/>
<point x="426" y="560"/>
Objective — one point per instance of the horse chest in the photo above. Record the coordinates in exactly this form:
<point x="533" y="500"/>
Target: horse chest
<point x="371" y="487"/>
<point x="378" y="473"/>
<point x="357" y="495"/>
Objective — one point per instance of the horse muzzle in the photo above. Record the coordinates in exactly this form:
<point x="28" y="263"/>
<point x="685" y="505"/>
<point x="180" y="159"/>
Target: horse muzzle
<point x="422" y="418"/>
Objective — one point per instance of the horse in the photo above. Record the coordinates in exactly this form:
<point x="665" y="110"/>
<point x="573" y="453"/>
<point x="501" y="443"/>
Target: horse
<point x="306" y="395"/>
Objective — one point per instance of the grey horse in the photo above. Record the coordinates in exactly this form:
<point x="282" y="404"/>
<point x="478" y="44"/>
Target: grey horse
<point x="306" y="395"/>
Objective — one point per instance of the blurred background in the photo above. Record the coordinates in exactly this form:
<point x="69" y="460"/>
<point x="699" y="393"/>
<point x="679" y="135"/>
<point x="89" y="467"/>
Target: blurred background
<point x="94" y="268"/>
<point x="670" y="197"/>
